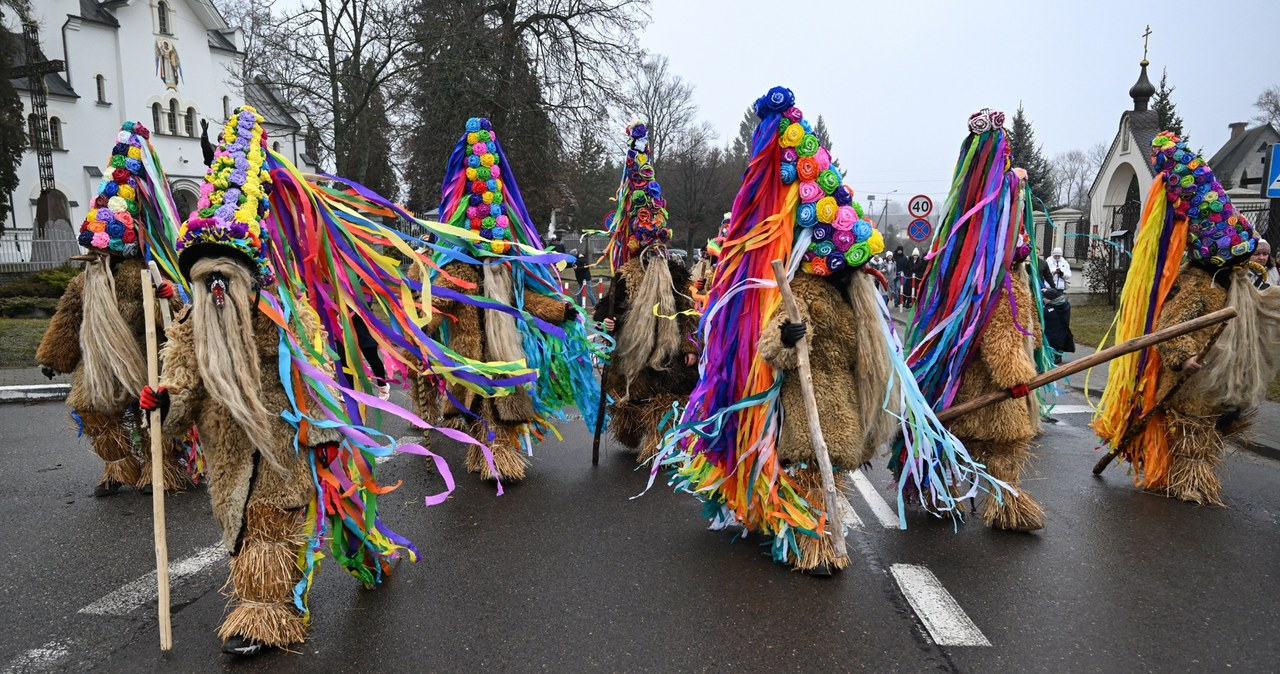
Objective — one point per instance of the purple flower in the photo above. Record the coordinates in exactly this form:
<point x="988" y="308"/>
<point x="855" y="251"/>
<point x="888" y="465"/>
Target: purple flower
<point x="238" y="177"/>
<point x="639" y="131"/>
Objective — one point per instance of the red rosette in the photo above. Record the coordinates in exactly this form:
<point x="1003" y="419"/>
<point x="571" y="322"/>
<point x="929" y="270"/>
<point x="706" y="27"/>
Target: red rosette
<point x="120" y="175"/>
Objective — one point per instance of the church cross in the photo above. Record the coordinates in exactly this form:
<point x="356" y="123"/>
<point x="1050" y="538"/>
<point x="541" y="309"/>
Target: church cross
<point x="1144" y="42"/>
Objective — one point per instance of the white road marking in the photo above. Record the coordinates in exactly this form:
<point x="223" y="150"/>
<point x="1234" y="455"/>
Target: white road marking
<point x="1071" y="409"/>
<point x="879" y="507"/>
<point x="946" y="622"/>
<point x="143" y="590"/>
<point x="42" y="659"/>
<point x="848" y="515"/>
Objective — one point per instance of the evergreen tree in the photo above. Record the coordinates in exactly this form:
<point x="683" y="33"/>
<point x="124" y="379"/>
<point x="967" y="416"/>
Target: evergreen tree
<point x="1030" y="156"/>
<point x="824" y="136"/>
<point x="1167" y="117"/>
<point x="12" y="130"/>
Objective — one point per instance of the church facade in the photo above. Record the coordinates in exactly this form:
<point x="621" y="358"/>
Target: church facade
<point x="167" y="63"/>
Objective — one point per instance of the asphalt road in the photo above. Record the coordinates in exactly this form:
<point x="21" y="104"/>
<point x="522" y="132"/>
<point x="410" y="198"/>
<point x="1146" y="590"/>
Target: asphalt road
<point x="567" y="572"/>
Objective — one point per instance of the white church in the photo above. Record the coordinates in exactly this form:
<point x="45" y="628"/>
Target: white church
<point x="166" y="63"/>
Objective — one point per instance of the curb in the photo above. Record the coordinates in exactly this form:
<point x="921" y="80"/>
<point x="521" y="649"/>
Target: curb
<point x="33" y="393"/>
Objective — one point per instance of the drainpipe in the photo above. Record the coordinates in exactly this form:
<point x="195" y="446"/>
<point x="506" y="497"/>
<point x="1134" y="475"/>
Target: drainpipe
<point x="66" y="58"/>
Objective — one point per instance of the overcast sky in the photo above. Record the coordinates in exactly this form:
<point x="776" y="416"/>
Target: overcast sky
<point x="897" y="79"/>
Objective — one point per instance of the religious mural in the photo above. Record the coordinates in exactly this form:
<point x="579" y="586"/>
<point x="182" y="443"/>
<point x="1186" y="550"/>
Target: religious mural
<point x="168" y="66"/>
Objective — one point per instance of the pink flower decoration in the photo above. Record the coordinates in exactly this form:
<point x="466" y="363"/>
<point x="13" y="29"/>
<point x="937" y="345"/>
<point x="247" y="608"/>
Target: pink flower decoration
<point x="793" y="113"/>
<point x="790" y="154"/>
<point x="472" y="212"/>
<point x="810" y="192"/>
<point x="479" y="148"/>
<point x="495" y="172"/>
<point x="823" y="158"/>
<point x="845" y="218"/>
<point x="101" y="240"/>
<point x="502" y="220"/>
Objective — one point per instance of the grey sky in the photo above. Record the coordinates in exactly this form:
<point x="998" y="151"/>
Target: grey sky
<point x="896" y="80"/>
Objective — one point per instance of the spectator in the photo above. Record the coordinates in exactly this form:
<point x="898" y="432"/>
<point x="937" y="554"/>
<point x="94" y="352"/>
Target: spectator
<point x="1059" y="271"/>
<point x="1262" y="265"/>
<point x="1057" y="323"/>
<point x="913" y="273"/>
<point x="899" y="275"/>
<point x="582" y="272"/>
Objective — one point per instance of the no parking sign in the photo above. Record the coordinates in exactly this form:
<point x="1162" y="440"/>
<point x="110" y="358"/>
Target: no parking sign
<point x="919" y="229"/>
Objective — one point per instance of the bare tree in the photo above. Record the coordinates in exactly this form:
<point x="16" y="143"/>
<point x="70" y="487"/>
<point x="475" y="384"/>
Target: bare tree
<point x="1074" y="174"/>
<point x="663" y="99"/>
<point x="257" y="24"/>
<point x="698" y="182"/>
<point x="1268" y="105"/>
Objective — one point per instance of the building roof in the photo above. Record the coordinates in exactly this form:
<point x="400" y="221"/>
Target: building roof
<point x="264" y="98"/>
<point x="90" y="10"/>
<point x="1237" y="150"/>
<point x="219" y="41"/>
<point x="1142" y="130"/>
<point x="53" y="82"/>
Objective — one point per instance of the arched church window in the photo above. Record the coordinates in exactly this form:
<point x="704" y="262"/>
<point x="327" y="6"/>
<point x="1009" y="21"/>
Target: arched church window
<point x="102" y="88"/>
<point x="173" y="117"/>
<point x="226" y="107"/>
<point x="190" y="122"/>
<point x="55" y="133"/>
<point x="155" y="118"/>
<point x="162" y="9"/>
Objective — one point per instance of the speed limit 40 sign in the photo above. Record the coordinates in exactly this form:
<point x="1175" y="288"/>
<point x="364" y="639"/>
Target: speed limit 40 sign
<point x="920" y="206"/>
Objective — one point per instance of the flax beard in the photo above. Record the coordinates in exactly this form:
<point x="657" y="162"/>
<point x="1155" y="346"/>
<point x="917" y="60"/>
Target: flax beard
<point x="114" y="370"/>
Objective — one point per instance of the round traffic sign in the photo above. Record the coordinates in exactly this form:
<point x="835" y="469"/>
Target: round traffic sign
<point x="920" y="206"/>
<point x="919" y="230"/>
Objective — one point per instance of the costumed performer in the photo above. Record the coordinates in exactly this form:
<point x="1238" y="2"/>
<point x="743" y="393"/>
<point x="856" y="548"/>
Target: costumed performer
<point x="496" y="296"/>
<point x="97" y="332"/>
<point x="290" y="462"/>
<point x="975" y="326"/>
<point x="654" y="363"/>
<point x="1168" y="410"/>
<point x="744" y="446"/>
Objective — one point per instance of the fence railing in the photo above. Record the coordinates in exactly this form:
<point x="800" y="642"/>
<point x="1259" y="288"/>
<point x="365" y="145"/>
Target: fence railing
<point x="21" y="250"/>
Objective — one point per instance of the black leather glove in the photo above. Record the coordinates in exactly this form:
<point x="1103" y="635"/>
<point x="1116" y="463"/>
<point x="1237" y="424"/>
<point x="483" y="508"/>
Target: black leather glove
<point x="48" y="371"/>
<point x="570" y="312"/>
<point x="151" y="399"/>
<point x="792" y="332"/>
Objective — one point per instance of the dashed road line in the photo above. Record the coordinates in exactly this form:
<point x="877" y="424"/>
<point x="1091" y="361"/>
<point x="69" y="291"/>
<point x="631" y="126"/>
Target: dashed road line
<point x="946" y="622"/>
<point x="143" y="590"/>
<point x="42" y="659"/>
<point x="1071" y="409"/>
<point x="879" y="507"/>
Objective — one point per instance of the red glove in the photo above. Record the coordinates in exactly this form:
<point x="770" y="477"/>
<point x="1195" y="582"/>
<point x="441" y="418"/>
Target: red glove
<point x="698" y="284"/>
<point x="165" y="289"/>
<point x="151" y="399"/>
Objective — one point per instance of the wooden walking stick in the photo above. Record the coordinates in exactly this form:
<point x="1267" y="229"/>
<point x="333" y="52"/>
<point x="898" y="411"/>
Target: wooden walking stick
<point x="811" y="411"/>
<point x="157" y="464"/>
<point x="166" y="316"/>
<point x="1136" y="428"/>
<point x="1135" y="344"/>
<point x="604" y="377"/>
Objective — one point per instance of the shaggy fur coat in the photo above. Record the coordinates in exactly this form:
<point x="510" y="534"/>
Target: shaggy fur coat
<point x="1193" y="295"/>
<point x="60" y="346"/>
<point x="1003" y="361"/>
<point x="676" y="377"/>
<point x="236" y="469"/>
<point x="462" y="328"/>
<point x="837" y="361"/>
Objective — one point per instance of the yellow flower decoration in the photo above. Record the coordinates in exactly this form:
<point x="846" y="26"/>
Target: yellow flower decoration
<point x="876" y="242"/>
<point x="827" y="209"/>
<point x="126" y="192"/>
<point x="792" y="136"/>
<point x="135" y="153"/>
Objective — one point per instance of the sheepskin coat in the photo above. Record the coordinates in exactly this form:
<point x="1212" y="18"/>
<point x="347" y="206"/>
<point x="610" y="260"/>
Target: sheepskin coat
<point x="237" y="472"/>
<point x="60" y="346"/>
<point x="676" y="378"/>
<point x="1193" y="295"/>
<point x="834" y="360"/>
<point x="462" y="328"/>
<point x="1003" y="361"/>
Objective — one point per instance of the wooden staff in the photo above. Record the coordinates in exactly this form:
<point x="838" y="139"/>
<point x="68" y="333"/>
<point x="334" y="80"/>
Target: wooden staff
<point x="1142" y="421"/>
<point x="1136" y="344"/>
<point x="157" y="464"/>
<point x="811" y="411"/>
<point x="604" y="377"/>
<point x="166" y="316"/>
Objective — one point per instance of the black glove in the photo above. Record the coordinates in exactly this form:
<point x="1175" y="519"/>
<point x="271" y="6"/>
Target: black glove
<point x="151" y="399"/>
<point x="792" y="332"/>
<point x="48" y="371"/>
<point x="570" y="312"/>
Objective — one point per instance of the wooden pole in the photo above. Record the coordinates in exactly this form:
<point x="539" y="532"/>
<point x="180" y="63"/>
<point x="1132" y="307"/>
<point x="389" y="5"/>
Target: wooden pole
<point x="1136" y="344"/>
<point x="811" y="411"/>
<point x="604" y="377"/>
<point x="157" y="464"/>
<point x="156" y="279"/>
<point x="1105" y="461"/>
